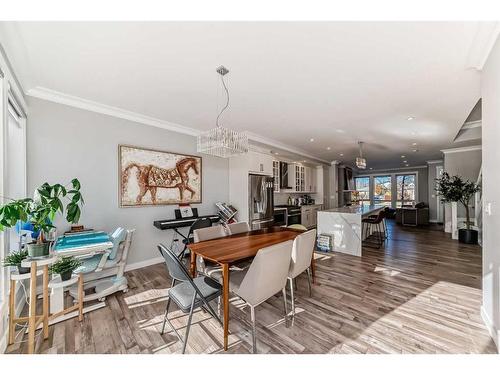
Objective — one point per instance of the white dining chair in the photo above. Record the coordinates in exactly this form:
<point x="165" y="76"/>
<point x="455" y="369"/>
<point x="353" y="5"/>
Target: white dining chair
<point x="206" y="234"/>
<point x="240" y="227"/>
<point x="302" y="252"/>
<point x="265" y="277"/>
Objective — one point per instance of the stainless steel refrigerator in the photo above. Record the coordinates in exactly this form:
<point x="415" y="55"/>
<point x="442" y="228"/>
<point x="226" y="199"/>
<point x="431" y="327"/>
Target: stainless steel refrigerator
<point x="260" y="201"/>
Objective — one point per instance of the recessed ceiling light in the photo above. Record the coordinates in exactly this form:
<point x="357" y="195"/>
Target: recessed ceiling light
<point x="403" y="156"/>
<point x="311" y="140"/>
<point x="328" y="148"/>
<point x="303" y="161"/>
<point x="341" y="154"/>
<point x="410" y="118"/>
<point x="371" y="168"/>
<point x="340" y="131"/>
<point x="414" y="144"/>
<point x="415" y="150"/>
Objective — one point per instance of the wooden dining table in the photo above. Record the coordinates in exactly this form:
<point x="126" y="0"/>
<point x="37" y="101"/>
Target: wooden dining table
<point x="229" y="250"/>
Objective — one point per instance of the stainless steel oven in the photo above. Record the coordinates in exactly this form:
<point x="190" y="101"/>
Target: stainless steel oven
<point x="280" y="216"/>
<point x="293" y="216"/>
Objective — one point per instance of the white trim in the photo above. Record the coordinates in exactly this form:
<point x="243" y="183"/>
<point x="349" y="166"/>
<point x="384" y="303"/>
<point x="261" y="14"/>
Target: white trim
<point x="472" y="124"/>
<point x="3" y="342"/>
<point x="143" y="263"/>
<point x="482" y="44"/>
<point x="494" y="333"/>
<point x="372" y="171"/>
<point x="461" y="149"/>
<point x="440" y="161"/>
<point x="92" y="106"/>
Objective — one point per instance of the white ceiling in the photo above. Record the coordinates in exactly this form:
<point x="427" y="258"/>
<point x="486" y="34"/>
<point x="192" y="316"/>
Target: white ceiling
<point x="336" y="82"/>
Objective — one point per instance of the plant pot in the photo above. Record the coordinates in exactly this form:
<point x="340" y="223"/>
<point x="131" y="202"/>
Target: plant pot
<point x="22" y="270"/>
<point x="468" y="236"/>
<point x="38" y="250"/>
<point x="66" y="275"/>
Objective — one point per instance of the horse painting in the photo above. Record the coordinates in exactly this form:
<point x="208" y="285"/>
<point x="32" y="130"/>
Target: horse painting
<point x="150" y="177"/>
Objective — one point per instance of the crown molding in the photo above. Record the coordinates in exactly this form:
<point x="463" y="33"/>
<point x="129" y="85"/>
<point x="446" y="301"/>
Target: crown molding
<point x="440" y="161"/>
<point x="461" y="149"/>
<point x="371" y="171"/>
<point x="93" y="106"/>
<point x="484" y="40"/>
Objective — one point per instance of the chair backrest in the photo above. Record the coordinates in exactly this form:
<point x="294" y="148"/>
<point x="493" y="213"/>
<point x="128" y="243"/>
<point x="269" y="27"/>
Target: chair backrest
<point x="203" y="222"/>
<point x="117" y="237"/>
<point x="267" y="274"/>
<point x="210" y="233"/>
<point x="302" y="251"/>
<point x="175" y="267"/>
<point x="240" y="227"/>
<point x="124" y="247"/>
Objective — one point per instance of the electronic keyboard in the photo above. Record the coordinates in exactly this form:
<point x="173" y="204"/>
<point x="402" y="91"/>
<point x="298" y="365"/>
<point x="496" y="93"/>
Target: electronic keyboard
<point x="182" y="222"/>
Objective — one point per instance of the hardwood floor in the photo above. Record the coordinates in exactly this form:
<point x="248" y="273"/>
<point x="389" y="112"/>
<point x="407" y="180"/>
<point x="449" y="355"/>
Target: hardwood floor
<point x="419" y="294"/>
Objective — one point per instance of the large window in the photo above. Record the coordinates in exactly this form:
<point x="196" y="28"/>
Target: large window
<point x="382" y="190"/>
<point x="406" y="187"/>
<point x="362" y="186"/>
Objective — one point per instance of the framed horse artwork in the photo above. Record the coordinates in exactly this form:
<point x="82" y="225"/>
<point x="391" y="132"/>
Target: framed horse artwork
<point x="153" y="178"/>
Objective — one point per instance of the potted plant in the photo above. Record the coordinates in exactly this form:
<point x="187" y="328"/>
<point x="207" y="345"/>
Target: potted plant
<point x="40" y="212"/>
<point x="65" y="267"/>
<point x="15" y="258"/>
<point x="456" y="189"/>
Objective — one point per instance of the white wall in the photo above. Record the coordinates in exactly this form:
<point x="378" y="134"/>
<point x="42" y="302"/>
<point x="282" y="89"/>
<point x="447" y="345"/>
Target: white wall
<point x="431" y="187"/>
<point x="491" y="189"/>
<point x="66" y="142"/>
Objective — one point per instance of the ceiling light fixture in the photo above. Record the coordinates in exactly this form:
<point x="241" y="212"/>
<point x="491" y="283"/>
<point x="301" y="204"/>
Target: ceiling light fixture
<point x="341" y="154"/>
<point x="415" y="150"/>
<point x="403" y="156"/>
<point x="221" y="141"/>
<point x="328" y="148"/>
<point x="311" y="140"/>
<point x="360" y="161"/>
<point x="414" y="144"/>
<point x="410" y="118"/>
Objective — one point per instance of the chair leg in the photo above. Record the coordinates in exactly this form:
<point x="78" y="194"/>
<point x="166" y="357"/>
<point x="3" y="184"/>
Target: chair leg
<point x="309" y="281"/>
<point x="188" y="324"/>
<point x="165" y="317"/>
<point x="285" y="309"/>
<point x="292" y="297"/>
<point x="254" y="333"/>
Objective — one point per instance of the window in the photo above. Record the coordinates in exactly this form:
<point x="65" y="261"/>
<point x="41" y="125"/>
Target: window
<point x="382" y="190"/>
<point x="406" y="187"/>
<point x="362" y="186"/>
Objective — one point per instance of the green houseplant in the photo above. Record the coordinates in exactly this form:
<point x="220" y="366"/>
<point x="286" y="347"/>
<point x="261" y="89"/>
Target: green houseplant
<point x="15" y="258"/>
<point x="41" y="210"/>
<point x="456" y="189"/>
<point x="65" y="267"/>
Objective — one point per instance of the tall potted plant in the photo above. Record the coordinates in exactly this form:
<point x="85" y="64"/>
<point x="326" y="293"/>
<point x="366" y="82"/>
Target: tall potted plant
<point x="456" y="189"/>
<point x="40" y="212"/>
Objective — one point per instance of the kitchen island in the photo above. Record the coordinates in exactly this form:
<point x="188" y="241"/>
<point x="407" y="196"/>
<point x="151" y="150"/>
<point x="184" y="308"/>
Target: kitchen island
<point x="343" y="224"/>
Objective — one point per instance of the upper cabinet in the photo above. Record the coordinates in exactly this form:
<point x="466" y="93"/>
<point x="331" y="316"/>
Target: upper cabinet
<point x="276" y="175"/>
<point x="259" y="163"/>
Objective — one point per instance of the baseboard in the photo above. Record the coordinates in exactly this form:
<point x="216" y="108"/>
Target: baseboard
<point x="494" y="333"/>
<point x="144" y="263"/>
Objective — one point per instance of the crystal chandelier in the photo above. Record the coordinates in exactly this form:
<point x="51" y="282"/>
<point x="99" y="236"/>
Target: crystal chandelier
<point x="360" y="161"/>
<point x="221" y="141"/>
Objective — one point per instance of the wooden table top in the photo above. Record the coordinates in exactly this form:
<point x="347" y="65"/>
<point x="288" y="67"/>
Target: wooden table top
<point x="236" y="247"/>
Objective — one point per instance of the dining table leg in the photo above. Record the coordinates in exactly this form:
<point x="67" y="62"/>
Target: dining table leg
<point x="193" y="263"/>
<point x="313" y="269"/>
<point x="225" y="301"/>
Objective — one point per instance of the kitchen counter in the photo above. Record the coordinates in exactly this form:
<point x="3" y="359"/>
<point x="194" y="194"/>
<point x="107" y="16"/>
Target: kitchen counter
<point x="343" y="224"/>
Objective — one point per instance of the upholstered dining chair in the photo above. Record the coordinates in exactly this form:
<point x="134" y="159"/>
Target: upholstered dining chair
<point x="265" y="277"/>
<point x="240" y="227"/>
<point x="302" y="252"/>
<point x="203" y="222"/>
<point x="189" y="294"/>
<point x="206" y="234"/>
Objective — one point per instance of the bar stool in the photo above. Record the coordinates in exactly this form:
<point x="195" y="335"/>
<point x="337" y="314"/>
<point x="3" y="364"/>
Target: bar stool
<point x="373" y="224"/>
<point x="384" y="224"/>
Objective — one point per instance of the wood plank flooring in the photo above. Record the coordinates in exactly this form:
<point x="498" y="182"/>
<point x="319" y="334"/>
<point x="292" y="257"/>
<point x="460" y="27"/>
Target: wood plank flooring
<point x="419" y="294"/>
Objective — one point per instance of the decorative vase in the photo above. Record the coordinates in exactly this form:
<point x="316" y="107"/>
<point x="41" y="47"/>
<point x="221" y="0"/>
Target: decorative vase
<point x="38" y="250"/>
<point x="66" y="275"/>
<point x="468" y="236"/>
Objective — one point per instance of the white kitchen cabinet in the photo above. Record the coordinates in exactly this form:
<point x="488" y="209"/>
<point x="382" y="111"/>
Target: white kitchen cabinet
<point x="309" y="215"/>
<point x="276" y="175"/>
<point x="260" y="163"/>
<point x="314" y="180"/>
